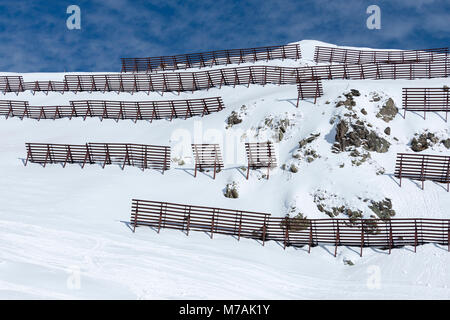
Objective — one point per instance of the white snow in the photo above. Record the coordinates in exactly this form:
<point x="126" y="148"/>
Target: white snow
<point x="60" y="225"/>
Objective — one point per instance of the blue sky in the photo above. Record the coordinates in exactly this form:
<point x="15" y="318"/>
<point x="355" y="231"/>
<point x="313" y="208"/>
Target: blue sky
<point x="34" y="36"/>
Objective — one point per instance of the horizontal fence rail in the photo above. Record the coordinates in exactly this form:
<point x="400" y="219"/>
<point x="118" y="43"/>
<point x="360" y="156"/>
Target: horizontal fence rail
<point x="138" y="155"/>
<point x="309" y="89"/>
<point x="207" y="156"/>
<point x="211" y="58"/>
<point x="355" y="56"/>
<point x="426" y="100"/>
<point x="260" y="155"/>
<point x="117" y="110"/>
<point x="201" y="80"/>
<point x="378" y="233"/>
<point x="423" y="167"/>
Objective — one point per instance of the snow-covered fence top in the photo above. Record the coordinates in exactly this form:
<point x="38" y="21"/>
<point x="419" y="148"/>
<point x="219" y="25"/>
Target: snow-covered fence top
<point x="138" y="155"/>
<point x="210" y="58"/>
<point x="297" y="232"/>
<point x="117" y="110"/>
<point x="423" y="167"/>
<point x="200" y="80"/>
<point x="355" y="56"/>
<point x="426" y="100"/>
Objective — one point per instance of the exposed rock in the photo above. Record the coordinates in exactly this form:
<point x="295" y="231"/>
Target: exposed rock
<point x="341" y="131"/>
<point x="349" y="102"/>
<point x="293" y="168"/>
<point x="424" y="141"/>
<point x="383" y="209"/>
<point x="310" y="139"/>
<point x="364" y="112"/>
<point x="231" y="191"/>
<point x="360" y="158"/>
<point x="446" y="143"/>
<point x="388" y="111"/>
<point x="376" y="143"/>
<point x="387" y="131"/>
<point x="334" y="211"/>
<point x="233" y="119"/>
<point x="359" y="136"/>
<point x="348" y="262"/>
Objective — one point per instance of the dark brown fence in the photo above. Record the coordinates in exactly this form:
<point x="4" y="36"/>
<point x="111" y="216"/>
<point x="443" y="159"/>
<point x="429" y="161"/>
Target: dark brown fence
<point x="423" y="167"/>
<point x="142" y="156"/>
<point x="262" y="75"/>
<point x="354" y="56"/>
<point x="11" y="84"/>
<point x="384" y="234"/>
<point x="260" y="155"/>
<point x="426" y="100"/>
<point x="188" y="217"/>
<point x="117" y="110"/>
<point x="309" y="89"/>
<point x="211" y="58"/>
<point x="207" y="156"/>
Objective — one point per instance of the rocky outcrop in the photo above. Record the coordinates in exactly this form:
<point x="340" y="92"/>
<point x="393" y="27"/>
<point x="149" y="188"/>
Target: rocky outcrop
<point x="231" y="191"/>
<point x="308" y="140"/>
<point x="388" y="111"/>
<point x="349" y="102"/>
<point x="359" y="135"/>
<point x="424" y="141"/>
<point x="233" y="119"/>
<point x="383" y="209"/>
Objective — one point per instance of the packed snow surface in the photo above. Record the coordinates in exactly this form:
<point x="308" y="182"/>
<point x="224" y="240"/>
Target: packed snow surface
<point x="64" y="232"/>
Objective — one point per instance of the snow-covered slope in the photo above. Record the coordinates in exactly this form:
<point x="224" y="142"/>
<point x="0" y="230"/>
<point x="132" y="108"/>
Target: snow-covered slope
<point x="58" y="226"/>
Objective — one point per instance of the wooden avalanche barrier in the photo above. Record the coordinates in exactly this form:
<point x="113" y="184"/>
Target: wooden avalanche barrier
<point x="138" y="155"/>
<point x="361" y="233"/>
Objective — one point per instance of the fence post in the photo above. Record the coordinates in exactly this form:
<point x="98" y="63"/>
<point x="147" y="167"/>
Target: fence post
<point x="425" y="105"/>
<point x="448" y="236"/>
<point x="212" y="223"/>
<point x="47" y="155"/>
<point x="165" y="158"/>
<point x="286" y="236"/>
<point x="422" y="178"/>
<point x="406" y="102"/>
<point x="446" y="105"/>
<point x="390" y="237"/>
<point x="136" y="215"/>
<point x="269" y="151"/>
<point x="310" y="236"/>
<point x="264" y="231"/>
<point x="362" y="237"/>
<point x="28" y="154"/>
<point x="400" y="171"/>
<point x="337" y="239"/>
<point x="240" y="226"/>
<point x="160" y="217"/>
<point x="415" y="235"/>
<point x="448" y="174"/>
